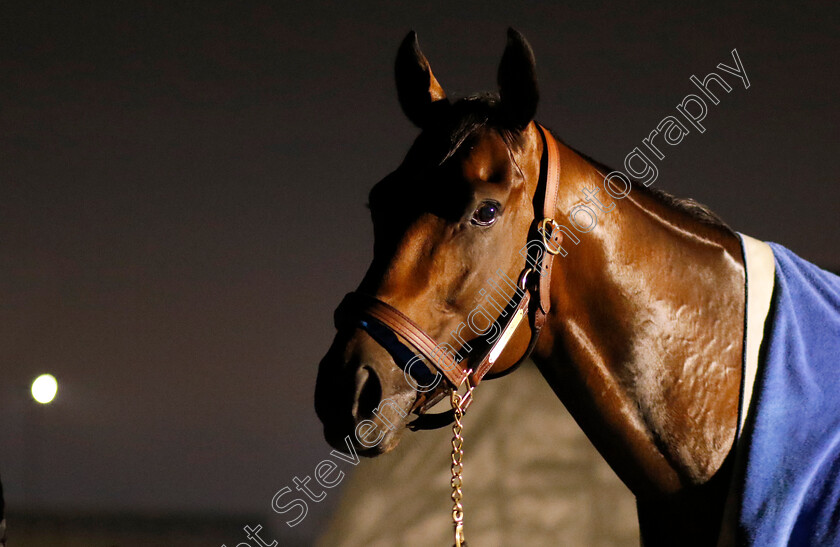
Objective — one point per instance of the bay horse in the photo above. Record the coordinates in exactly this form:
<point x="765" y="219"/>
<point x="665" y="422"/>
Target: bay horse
<point x="638" y="316"/>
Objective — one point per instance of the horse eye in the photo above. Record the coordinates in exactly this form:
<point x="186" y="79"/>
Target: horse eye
<point x="485" y="215"/>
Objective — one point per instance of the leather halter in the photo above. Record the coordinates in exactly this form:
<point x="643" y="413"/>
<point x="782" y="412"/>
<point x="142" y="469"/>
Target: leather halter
<point x="399" y="335"/>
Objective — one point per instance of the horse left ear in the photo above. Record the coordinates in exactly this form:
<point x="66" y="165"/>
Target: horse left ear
<point x="419" y="92"/>
<point x="518" y="81"/>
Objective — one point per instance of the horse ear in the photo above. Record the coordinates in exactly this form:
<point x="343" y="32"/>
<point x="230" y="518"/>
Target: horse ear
<point x="518" y="81"/>
<point x="418" y="90"/>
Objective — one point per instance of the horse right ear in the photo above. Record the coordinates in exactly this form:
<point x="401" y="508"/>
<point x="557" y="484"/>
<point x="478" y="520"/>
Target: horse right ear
<point x="418" y="90"/>
<point x="518" y="81"/>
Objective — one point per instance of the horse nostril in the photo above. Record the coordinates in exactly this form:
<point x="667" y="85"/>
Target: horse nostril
<point x="368" y="394"/>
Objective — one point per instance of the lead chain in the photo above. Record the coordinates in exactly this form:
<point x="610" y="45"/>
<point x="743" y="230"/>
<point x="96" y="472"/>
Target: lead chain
<point x="457" y="468"/>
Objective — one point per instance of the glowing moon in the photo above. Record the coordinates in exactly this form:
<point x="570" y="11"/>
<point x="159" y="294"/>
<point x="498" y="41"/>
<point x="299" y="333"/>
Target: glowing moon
<point x="44" y="388"/>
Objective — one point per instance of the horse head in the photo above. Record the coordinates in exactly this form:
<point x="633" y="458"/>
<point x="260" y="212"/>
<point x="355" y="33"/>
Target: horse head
<point x="452" y="216"/>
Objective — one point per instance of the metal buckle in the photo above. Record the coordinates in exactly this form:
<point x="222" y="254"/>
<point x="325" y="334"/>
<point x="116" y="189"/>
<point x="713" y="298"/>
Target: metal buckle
<point x="523" y="278"/>
<point x="542" y="229"/>
<point x="464" y="400"/>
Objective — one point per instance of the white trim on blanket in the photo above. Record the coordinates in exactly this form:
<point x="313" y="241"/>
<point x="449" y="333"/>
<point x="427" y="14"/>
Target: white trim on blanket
<point x="761" y="275"/>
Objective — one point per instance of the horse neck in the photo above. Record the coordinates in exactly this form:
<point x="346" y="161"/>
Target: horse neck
<point x="644" y="342"/>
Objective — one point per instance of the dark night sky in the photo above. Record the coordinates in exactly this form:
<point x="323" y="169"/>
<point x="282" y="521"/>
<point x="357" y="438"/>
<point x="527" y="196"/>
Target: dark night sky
<point x="182" y="196"/>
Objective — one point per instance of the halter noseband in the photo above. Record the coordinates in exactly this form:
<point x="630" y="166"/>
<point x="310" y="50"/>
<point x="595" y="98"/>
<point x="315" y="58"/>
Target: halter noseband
<point x="404" y="339"/>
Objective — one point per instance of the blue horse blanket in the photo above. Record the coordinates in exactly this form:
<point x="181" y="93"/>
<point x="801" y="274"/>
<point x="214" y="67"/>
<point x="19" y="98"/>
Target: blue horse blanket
<point x="789" y="453"/>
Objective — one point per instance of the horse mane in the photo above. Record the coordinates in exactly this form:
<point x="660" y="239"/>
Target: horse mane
<point x="481" y="110"/>
<point x="696" y="210"/>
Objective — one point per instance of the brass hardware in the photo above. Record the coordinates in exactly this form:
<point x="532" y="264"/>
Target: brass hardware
<point x="554" y="226"/>
<point x="523" y="278"/>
